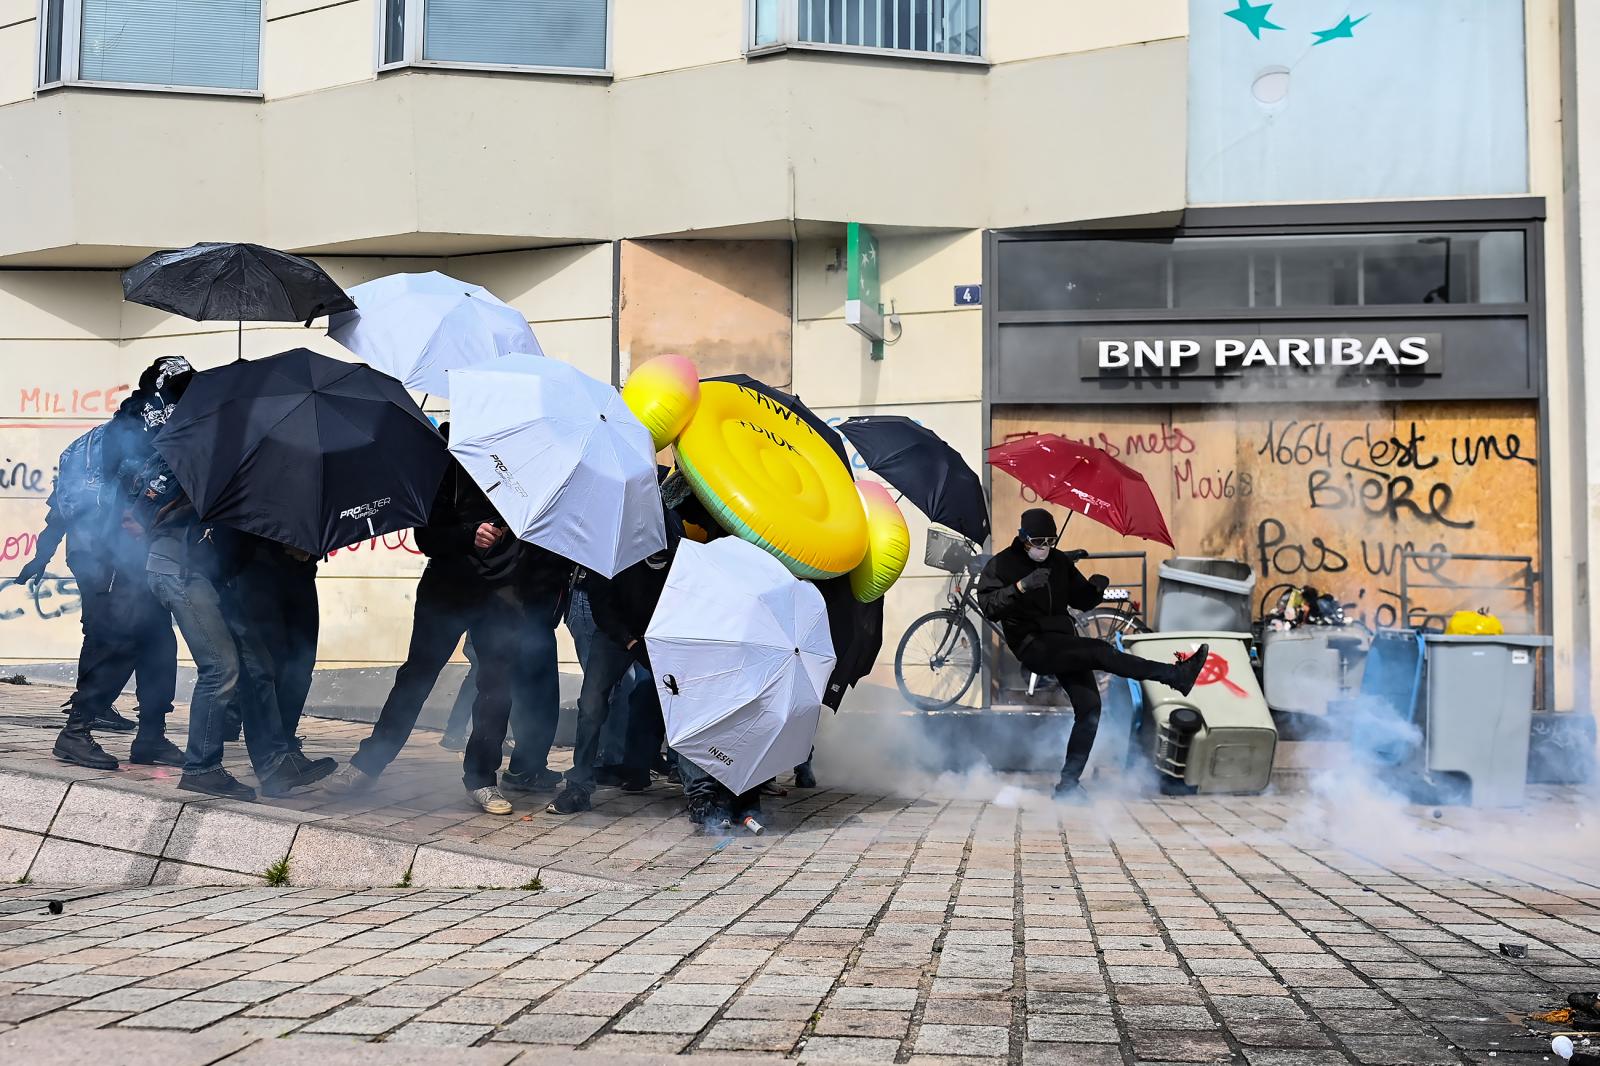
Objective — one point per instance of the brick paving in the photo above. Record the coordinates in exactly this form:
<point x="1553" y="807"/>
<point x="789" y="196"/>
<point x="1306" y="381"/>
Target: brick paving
<point x="865" y="928"/>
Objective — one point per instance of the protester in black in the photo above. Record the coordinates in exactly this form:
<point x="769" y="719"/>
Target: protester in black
<point x="622" y="609"/>
<point x="856" y="629"/>
<point x="470" y="585"/>
<point x="274" y="594"/>
<point x="126" y="633"/>
<point x="1030" y="589"/>
<point x="188" y="564"/>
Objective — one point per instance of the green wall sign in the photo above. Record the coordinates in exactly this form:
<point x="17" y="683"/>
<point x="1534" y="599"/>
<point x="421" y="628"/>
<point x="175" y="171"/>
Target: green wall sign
<point x="863" y="309"/>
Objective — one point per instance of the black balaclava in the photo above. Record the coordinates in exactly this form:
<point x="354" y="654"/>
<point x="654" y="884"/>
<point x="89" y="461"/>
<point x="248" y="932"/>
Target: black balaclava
<point x="163" y="383"/>
<point x="1037" y="522"/>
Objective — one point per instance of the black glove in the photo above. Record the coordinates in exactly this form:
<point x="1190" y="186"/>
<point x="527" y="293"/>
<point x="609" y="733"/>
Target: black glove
<point x="1100" y="582"/>
<point x="1036" y="580"/>
<point x="1076" y="556"/>
<point x="31" y="571"/>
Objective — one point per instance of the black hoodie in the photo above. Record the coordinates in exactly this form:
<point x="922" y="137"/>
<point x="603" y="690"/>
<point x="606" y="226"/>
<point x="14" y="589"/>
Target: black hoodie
<point x="1024" y="615"/>
<point x="459" y="508"/>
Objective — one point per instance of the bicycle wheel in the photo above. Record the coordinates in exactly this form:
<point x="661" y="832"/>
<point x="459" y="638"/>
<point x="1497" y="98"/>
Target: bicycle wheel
<point x="937" y="659"/>
<point x="1103" y="623"/>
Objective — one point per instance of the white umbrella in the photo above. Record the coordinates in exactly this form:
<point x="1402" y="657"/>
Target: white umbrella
<point x="415" y="327"/>
<point x="561" y="457"/>
<point x="741" y="656"/>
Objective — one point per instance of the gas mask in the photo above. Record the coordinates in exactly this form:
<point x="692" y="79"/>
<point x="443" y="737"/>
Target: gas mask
<point x="1038" y="555"/>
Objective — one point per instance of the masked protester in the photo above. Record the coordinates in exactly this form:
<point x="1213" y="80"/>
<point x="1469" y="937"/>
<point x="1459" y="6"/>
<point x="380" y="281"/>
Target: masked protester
<point x="622" y="609"/>
<point x="274" y="595"/>
<point x="126" y="632"/>
<point x="857" y="632"/>
<point x="475" y="584"/>
<point x="189" y="564"/>
<point x="1029" y="589"/>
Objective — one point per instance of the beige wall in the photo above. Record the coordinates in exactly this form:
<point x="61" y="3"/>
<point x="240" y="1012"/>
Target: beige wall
<point x="70" y="348"/>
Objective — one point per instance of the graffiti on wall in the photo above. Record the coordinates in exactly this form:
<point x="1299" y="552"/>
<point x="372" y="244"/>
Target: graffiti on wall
<point x="1329" y="497"/>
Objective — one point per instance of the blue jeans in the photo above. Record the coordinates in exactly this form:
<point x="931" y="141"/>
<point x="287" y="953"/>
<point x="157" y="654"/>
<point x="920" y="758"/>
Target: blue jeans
<point x="613" y="747"/>
<point x="197" y="609"/>
<point x="700" y="787"/>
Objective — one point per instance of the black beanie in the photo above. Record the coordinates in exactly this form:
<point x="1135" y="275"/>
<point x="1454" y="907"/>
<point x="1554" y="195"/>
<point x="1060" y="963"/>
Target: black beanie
<point x="1037" y="522"/>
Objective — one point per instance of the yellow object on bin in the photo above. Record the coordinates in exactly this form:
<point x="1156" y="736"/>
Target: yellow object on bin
<point x="1479" y="623"/>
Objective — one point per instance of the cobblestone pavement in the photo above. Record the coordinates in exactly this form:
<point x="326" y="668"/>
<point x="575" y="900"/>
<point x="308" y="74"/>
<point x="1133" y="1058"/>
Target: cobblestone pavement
<point x="922" y="929"/>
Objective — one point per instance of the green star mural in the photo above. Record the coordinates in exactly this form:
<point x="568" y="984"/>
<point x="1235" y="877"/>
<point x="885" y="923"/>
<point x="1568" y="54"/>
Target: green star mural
<point x="1253" y="17"/>
<point x="1345" y="28"/>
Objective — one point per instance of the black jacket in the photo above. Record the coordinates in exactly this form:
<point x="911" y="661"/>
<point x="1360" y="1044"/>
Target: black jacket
<point x="1024" y="615"/>
<point x="623" y="606"/>
<point x="448" y="541"/>
<point x="176" y="537"/>
<point x="857" y="632"/>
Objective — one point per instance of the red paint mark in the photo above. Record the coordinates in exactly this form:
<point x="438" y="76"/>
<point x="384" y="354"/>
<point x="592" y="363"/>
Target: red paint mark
<point x="1215" y="671"/>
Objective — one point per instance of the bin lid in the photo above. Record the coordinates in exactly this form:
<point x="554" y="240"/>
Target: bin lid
<point x="1516" y="640"/>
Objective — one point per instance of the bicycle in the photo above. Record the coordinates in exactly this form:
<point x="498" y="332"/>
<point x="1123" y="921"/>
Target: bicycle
<point x="939" y="654"/>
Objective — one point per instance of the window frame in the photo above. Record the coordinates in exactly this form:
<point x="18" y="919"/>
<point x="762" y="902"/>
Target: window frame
<point x="411" y="55"/>
<point x="789" y="39"/>
<point x="71" y="48"/>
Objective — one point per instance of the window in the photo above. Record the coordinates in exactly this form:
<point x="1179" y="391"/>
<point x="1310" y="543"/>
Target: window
<point x="1234" y="273"/>
<point x="544" y="35"/>
<point x="192" y="45"/>
<point x="935" y="28"/>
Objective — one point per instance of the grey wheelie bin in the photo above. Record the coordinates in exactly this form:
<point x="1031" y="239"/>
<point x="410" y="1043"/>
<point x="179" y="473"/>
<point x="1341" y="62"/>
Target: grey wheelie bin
<point x="1204" y="594"/>
<point x="1480" y="710"/>
<point x="1220" y="737"/>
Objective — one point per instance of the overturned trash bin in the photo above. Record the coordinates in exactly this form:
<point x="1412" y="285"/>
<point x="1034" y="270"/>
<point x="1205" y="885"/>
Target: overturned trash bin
<point x="1220" y="737"/>
<point x="1204" y="594"/>
<point x="1479" y="713"/>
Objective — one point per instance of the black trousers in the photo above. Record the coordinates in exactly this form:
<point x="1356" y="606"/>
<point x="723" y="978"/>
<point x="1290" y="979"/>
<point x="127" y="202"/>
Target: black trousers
<point x="126" y="633"/>
<point x="448" y="607"/>
<point x="1073" y="661"/>
<point x="277" y="597"/>
<point x="607" y="665"/>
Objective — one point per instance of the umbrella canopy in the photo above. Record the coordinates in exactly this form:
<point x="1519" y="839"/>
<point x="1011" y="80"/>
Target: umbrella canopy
<point x="234" y="282"/>
<point x="800" y="410"/>
<point x="741" y="656"/>
<point x="415" y="327"/>
<point x="561" y="457"/>
<point x="1085" y="480"/>
<point x="926" y="471"/>
<point x="304" y="450"/>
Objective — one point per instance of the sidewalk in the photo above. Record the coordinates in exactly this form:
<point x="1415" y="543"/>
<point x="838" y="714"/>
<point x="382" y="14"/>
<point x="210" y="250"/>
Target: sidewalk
<point x="866" y="927"/>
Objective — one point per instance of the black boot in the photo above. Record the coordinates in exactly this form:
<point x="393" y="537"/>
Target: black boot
<point x="155" y="751"/>
<point x="217" y="783"/>
<point x="75" y="744"/>
<point x="1187" y="672"/>
<point x="294" y="771"/>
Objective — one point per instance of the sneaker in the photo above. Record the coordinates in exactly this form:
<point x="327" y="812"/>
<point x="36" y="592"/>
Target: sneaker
<point x="218" y="783"/>
<point x="157" y="752"/>
<point x="490" y="799"/>
<point x="803" y="777"/>
<point x="1188" y="670"/>
<point x="571" y="800"/>
<point x="635" y="781"/>
<point x="296" y="771"/>
<point x="80" y="749"/>
<point x="543" y="781"/>
<point x="348" y="780"/>
<point x="1071" y="793"/>
<point x="453" y="741"/>
<point x="608" y="776"/>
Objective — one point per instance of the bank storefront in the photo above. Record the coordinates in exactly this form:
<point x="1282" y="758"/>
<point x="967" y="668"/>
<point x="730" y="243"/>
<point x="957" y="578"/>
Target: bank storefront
<point x="1314" y="390"/>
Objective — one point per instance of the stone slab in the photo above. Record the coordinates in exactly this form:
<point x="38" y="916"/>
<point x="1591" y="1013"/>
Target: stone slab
<point x="29" y="798"/>
<point x="68" y="862"/>
<point x="117" y="816"/>
<point x="244" y="839"/>
<point x="17" y="850"/>
<point x="337" y="858"/>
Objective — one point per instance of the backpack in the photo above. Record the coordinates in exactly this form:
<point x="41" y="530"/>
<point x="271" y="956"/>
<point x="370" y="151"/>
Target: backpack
<point x="80" y="477"/>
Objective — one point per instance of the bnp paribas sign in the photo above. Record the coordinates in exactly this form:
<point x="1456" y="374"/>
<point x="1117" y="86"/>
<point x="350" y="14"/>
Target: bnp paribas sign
<point x="1366" y="355"/>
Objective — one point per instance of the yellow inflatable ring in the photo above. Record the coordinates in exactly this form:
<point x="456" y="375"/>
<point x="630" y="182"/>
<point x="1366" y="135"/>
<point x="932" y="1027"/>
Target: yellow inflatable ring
<point x="888" y="544"/>
<point x="769" y="479"/>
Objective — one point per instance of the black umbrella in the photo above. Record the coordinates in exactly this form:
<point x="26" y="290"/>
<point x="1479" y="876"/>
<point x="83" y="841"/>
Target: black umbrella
<point x="234" y="282"/>
<point x="806" y="415"/>
<point x="304" y="450"/>
<point x="926" y="470"/>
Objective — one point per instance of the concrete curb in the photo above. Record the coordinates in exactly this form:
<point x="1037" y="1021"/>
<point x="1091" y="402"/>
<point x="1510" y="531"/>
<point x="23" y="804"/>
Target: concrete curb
<point x="66" y="825"/>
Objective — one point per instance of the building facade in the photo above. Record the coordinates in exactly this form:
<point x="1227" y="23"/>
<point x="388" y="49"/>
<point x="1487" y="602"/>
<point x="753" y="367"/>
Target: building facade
<point x="643" y="177"/>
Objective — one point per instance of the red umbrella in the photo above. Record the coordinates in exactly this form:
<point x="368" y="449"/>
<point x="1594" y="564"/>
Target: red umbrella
<point x="1085" y="480"/>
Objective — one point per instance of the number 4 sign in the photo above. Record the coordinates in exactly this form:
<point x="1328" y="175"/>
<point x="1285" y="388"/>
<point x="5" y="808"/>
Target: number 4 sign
<point x="969" y="295"/>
